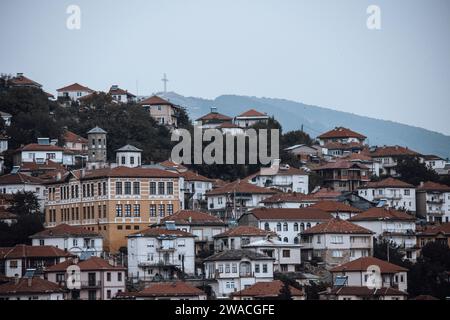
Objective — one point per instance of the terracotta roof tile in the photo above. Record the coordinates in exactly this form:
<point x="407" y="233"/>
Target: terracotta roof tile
<point x="75" y="87"/>
<point x="91" y="264"/>
<point x="389" y="151"/>
<point x="252" y="113"/>
<point x="24" y="251"/>
<point x="155" y="100"/>
<point x="388" y="183"/>
<point x="19" y="178"/>
<point x="337" y="226"/>
<point x="290" y="214"/>
<point x="375" y="214"/>
<point x="244" y="231"/>
<point x="433" y="186"/>
<point x="30" y="286"/>
<point x="334" y="206"/>
<point x="270" y="289"/>
<point x="158" y="232"/>
<point x="434" y="230"/>
<point x="21" y="80"/>
<point x="168" y="289"/>
<point x="341" y="132"/>
<point x="214" y="116"/>
<point x="40" y="147"/>
<point x="290" y="197"/>
<point x="341" y="164"/>
<point x="191" y="217"/>
<point x="364" y="291"/>
<point x="193" y="176"/>
<point x="362" y="264"/>
<point x="70" y="136"/>
<point x="65" y="230"/>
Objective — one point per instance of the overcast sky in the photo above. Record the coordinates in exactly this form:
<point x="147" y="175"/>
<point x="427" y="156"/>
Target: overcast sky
<point x="318" y="52"/>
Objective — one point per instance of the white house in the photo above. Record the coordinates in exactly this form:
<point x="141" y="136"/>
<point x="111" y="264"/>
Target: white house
<point x="128" y="156"/>
<point x="236" y="238"/>
<point x="32" y="288"/>
<point x="362" y="271"/>
<point x="291" y="200"/>
<point x="362" y="293"/>
<point x="195" y="188"/>
<point x="390" y="192"/>
<point x="341" y="141"/>
<point x="250" y="118"/>
<point x="74" y="92"/>
<point x="391" y="225"/>
<point x="120" y="95"/>
<point x="434" y="162"/>
<point x="95" y="278"/>
<point x="13" y="183"/>
<point x="43" y="151"/>
<point x="287" y="255"/>
<point x="177" y="290"/>
<point x="229" y="128"/>
<point x="158" y="253"/>
<point x="288" y="224"/>
<point x="336" y="241"/>
<point x="213" y="119"/>
<point x="232" y="200"/>
<point x="235" y="270"/>
<point x="336" y="209"/>
<point x="433" y="202"/>
<point x="282" y="177"/>
<point x="74" y="239"/>
<point x="388" y="157"/>
<point x="267" y="290"/>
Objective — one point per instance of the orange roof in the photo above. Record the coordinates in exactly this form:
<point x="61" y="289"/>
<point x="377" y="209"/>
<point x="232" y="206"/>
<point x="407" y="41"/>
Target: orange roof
<point x="341" y="132"/>
<point x="155" y="100"/>
<point x="362" y="264"/>
<point x="214" y="116"/>
<point x="290" y="197"/>
<point x="40" y="147"/>
<point x="158" y="232"/>
<point x="167" y="289"/>
<point x="334" y="206"/>
<point x="75" y="87"/>
<point x="389" y="151"/>
<point x="326" y="193"/>
<point x="19" y="178"/>
<point x="337" y="226"/>
<point x="171" y="164"/>
<point x="388" y="183"/>
<point x="65" y="230"/>
<point x="70" y="136"/>
<point x="33" y="285"/>
<point x="21" y="80"/>
<point x="130" y="172"/>
<point x="270" y="289"/>
<point x="375" y="214"/>
<point x="252" y="113"/>
<point x="91" y="264"/>
<point x="290" y="214"/>
<point x="193" y="218"/>
<point x="433" y="186"/>
<point x="119" y="91"/>
<point x="240" y="187"/>
<point x="24" y="251"/>
<point x="434" y="230"/>
<point x="193" y="176"/>
<point x="364" y="291"/>
<point x="244" y="231"/>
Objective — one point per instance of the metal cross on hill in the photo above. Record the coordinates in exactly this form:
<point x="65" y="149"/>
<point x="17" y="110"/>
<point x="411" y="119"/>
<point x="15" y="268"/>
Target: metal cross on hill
<point x="165" y="80"/>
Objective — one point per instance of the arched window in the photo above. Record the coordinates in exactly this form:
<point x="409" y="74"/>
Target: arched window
<point x="296" y="226"/>
<point x="285" y="226"/>
<point x="296" y="240"/>
<point x="266" y="226"/>
<point x="279" y="226"/>
<point x="302" y="227"/>
<point x="308" y="225"/>
<point x="285" y="239"/>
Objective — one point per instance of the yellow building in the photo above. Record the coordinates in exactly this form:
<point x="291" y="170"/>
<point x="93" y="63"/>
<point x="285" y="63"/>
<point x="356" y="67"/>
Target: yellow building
<point x="113" y="201"/>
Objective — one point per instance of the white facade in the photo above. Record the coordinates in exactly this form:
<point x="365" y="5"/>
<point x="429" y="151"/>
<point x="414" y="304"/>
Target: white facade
<point x="253" y="200"/>
<point x="42" y="156"/>
<point x="80" y="246"/>
<point x="198" y="188"/>
<point x="34" y="296"/>
<point x="288" y="230"/>
<point x="397" y="198"/>
<point x="128" y="159"/>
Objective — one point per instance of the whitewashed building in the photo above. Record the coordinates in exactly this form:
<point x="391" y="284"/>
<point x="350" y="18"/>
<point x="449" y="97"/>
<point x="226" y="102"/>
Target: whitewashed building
<point x="292" y="200"/>
<point x="250" y="118"/>
<point x="73" y="92"/>
<point x="177" y="290"/>
<point x="13" y="183"/>
<point x="129" y="156"/>
<point x="195" y="188"/>
<point x="121" y="95"/>
<point x="433" y="202"/>
<point x="236" y="238"/>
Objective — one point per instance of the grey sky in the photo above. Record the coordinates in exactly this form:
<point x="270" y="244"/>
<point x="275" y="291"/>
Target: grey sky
<point x="318" y="52"/>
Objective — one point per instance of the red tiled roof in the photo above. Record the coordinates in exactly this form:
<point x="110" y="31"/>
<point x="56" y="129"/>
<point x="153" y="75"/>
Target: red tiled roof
<point x="388" y="183"/>
<point x="340" y="132"/>
<point x="341" y="164"/>
<point x="24" y="251"/>
<point x="40" y="147"/>
<point x="343" y="146"/>
<point x="19" y="178"/>
<point x="49" y="165"/>
<point x="362" y="264"/>
<point x="252" y="113"/>
<point x="65" y="230"/>
<point x="119" y="91"/>
<point x="33" y="285"/>
<point x="69" y="136"/>
<point x="155" y="100"/>
<point x="433" y="186"/>
<point x="75" y="87"/>
<point x="214" y="116"/>
<point x="91" y="264"/>
<point x="290" y="197"/>
<point x="156" y="232"/>
<point x="24" y="81"/>
<point x="193" y="176"/>
<point x="375" y="214"/>
<point x="337" y="226"/>
<point x="290" y="214"/>
<point x="244" y="231"/>
<point x="434" y="230"/>
<point x="424" y="297"/>
<point x="357" y="157"/>
<point x="334" y="206"/>
<point x="270" y="289"/>
<point x="193" y="218"/>
<point x="171" y="164"/>
<point x="388" y="151"/>
<point x="326" y="193"/>
<point x="240" y="187"/>
<point x="167" y="289"/>
<point x="364" y="291"/>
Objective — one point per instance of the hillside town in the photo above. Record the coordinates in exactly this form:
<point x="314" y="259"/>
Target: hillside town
<point x="333" y="218"/>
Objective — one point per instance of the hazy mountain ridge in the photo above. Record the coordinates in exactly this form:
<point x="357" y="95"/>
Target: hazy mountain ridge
<point x="317" y="120"/>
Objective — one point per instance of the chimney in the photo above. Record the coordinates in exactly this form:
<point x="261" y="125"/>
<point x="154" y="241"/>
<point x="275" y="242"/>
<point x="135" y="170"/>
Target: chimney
<point x="29" y="281"/>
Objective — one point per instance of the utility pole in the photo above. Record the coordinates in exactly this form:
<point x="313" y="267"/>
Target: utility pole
<point x="165" y="80"/>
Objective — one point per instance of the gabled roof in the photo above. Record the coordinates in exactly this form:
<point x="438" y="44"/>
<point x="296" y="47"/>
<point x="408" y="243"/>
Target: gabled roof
<point x="24" y="251"/>
<point x="214" y="116"/>
<point x="387" y="183"/>
<point x="341" y="164"/>
<point x="244" y="231"/>
<point x="290" y="197"/>
<point x="269" y="289"/>
<point x="96" y="130"/>
<point x="341" y="132"/>
<point x="362" y="264"/>
<point x="161" y="232"/>
<point x="155" y="100"/>
<point x="389" y="151"/>
<point x="190" y="217"/>
<point x="39" y="147"/>
<point x="290" y="214"/>
<point x="364" y="291"/>
<point x="21" y="80"/>
<point x="193" y="176"/>
<point x="19" y="178"/>
<point x="252" y="113"/>
<point x="343" y="146"/>
<point x="128" y="148"/>
<point x="91" y="264"/>
<point x="118" y="172"/>
<point x="33" y="285"/>
<point x="326" y="193"/>
<point x="118" y="91"/>
<point x="378" y="214"/>
<point x="433" y="186"/>
<point x="70" y="136"/>
<point x="75" y="87"/>
<point x="334" y="206"/>
<point x="237" y="255"/>
<point x="167" y="289"/>
<point x="337" y="226"/>
<point x="172" y="165"/>
<point x="437" y="229"/>
<point x="240" y="186"/>
<point x="65" y="231"/>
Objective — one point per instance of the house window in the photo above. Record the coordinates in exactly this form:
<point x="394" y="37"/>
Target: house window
<point x="407" y="192"/>
<point x="278" y="226"/>
<point x="337" y="239"/>
<point x="131" y="160"/>
<point x="285" y="239"/>
<point x="128" y="210"/>
<point x="137" y="210"/>
<point x="161" y="188"/>
<point x="118" y="187"/>
<point x="257" y="268"/>
<point x="153" y="210"/>
<point x="162" y="210"/>
<point x="264" y="268"/>
<point x="308" y="225"/>
<point x="266" y="226"/>
<point x="13" y="264"/>
<point x="108" y="294"/>
<point x="296" y="240"/>
<point x="234" y="268"/>
<point x="285" y="226"/>
<point x="296" y="226"/>
<point x="286" y="253"/>
<point x="220" y="268"/>
<point x="170" y="209"/>
<point x="118" y="210"/>
<point x="108" y="276"/>
<point x="227" y="268"/>
<point x="153" y="188"/>
<point x="127" y="187"/>
<point x="336" y="254"/>
<point x="41" y="242"/>
<point x="136" y="187"/>
<point x="169" y="187"/>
